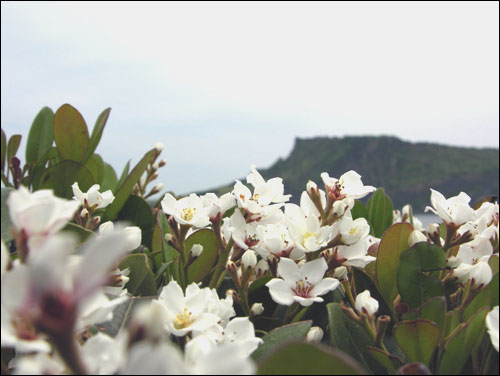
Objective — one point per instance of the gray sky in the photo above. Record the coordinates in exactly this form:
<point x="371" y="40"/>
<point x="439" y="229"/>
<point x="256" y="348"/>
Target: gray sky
<point x="226" y="85"/>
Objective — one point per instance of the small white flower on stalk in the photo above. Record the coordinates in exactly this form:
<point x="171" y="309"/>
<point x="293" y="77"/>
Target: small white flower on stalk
<point x="187" y="211"/>
<point x="103" y="354"/>
<point x="275" y="239"/>
<point x="40" y="214"/>
<point x="159" y="146"/>
<point x="351" y="231"/>
<point x="196" y="250"/>
<point x="492" y="325"/>
<point x="365" y="304"/>
<point x="301" y="284"/>
<point x="132" y="234"/>
<point x="355" y="254"/>
<point x="262" y="267"/>
<point x="455" y="210"/>
<point x="93" y="197"/>
<point x="249" y="259"/>
<point x="416" y="237"/>
<point x="479" y="272"/>
<point x="217" y="206"/>
<point x="185" y="313"/>
<point x="349" y="186"/>
<point x="306" y="231"/>
<point x="314" y="335"/>
<point x="257" y="309"/>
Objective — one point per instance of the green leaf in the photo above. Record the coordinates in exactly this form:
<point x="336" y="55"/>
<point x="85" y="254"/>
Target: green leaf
<point x="462" y="341"/>
<point x="308" y="359"/>
<point x="394" y="241"/>
<point x="379" y="208"/>
<point x="95" y="165"/>
<point x="364" y="282"/>
<point x="13" y="146"/>
<point x="70" y="133"/>
<point x="414" y="285"/>
<point x="4" y="150"/>
<point x="418" y="339"/>
<point x="122" y="315"/>
<point x="109" y="178"/>
<point x="127" y="187"/>
<point x="81" y="233"/>
<point x="137" y="211"/>
<point x="122" y="178"/>
<point x="159" y="243"/>
<point x="141" y="282"/>
<point x="385" y="359"/>
<point x="96" y="135"/>
<point x="41" y="135"/>
<point x="359" y="210"/>
<point x="435" y="310"/>
<point x="493" y="263"/>
<point x="280" y="336"/>
<point x="493" y="286"/>
<point x="62" y="175"/>
<point x="6" y="222"/>
<point x="349" y="337"/>
<point x="202" y="264"/>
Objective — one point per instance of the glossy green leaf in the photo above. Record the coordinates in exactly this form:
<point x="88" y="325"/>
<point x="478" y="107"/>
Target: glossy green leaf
<point x="61" y="176"/>
<point x="41" y="135"/>
<point x="452" y="322"/>
<point x="359" y="210"/>
<point x="96" y="135"/>
<point x="418" y="339"/>
<point x="127" y="187"/>
<point x="379" y="208"/>
<point x="414" y="283"/>
<point x="70" y="133"/>
<point x="159" y="243"/>
<point x="349" y="337"/>
<point x="81" y="233"/>
<point x="482" y="299"/>
<point x="435" y="310"/>
<point x="141" y="282"/>
<point x="95" y="165"/>
<point x="385" y="359"/>
<point x="462" y="341"/>
<point x="123" y="176"/>
<point x="394" y="241"/>
<point x="13" y="146"/>
<point x="308" y="359"/>
<point x="493" y="263"/>
<point x="109" y="178"/>
<point x="122" y="315"/>
<point x="202" y="264"/>
<point x="6" y="222"/>
<point x="4" y="150"/>
<point x="280" y="336"/>
<point x="137" y="212"/>
<point x="493" y="287"/>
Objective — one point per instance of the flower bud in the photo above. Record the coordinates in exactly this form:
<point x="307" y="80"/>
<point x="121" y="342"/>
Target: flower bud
<point x="158" y="187"/>
<point x="415" y="237"/>
<point x="249" y="259"/>
<point x="162" y="163"/>
<point x="340" y="273"/>
<point x="155" y="166"/>
<point x="257" y="309"/>
<point x="311" y="187"/>
<point x="366" y="304"/>
<point x="196" y="250"/>
<point x="453" y="262"/>
<point x="262" y="267"/>
<point x="339" y="208"/>
<point x="169" y="238"/>
<point x="159" y="146"/>
<point x="84" y="213"/>
<point x="433" y="229"/>
<point x="314" y="335"/>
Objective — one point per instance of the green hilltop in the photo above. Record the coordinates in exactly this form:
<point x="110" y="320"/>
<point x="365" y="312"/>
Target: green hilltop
<point x="406" y="170"/>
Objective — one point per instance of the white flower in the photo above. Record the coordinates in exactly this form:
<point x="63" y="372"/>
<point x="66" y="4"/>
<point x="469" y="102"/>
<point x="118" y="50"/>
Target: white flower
<point x="146" y="358"/>
<point x="306" y="231"/>
<point x="38" y="364"/>
<point x="159" y="146"/>
<point x="257" y="309"/>
<point x="217" y="206"/>
<point x="301" y="284"/>
<point x="349" y="185"/>
<point x="186" y="313"/>
<point x="356" y="254"/>
<point x="5" y="258"/>
<point x="39" y="214"/>
<point x="132" y="234"/>
<point x="314" y="335"/>
<point x="480" y="272"/>
<point x="196" y="250"/>
<point x="93" y="197"/>
<point x="189" y="210"/>
<point x="492" y="325"/>
<point x="455" y="210"/>
<point x="351" y="231"/>
<point x="103" y="354"/>
<point x="275" y="238"/>
<point x="416" y="237"/>
<point x="366" y="304"/>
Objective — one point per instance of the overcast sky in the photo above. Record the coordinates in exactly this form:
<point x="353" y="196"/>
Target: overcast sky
<point x="227" y="85"/>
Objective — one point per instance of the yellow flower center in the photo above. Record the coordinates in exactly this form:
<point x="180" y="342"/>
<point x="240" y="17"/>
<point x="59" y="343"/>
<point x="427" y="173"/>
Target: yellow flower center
<point x="188" y="213"/>
<point x="307" y="235"/>
<point x="352" y="231"/>
<point x="183" y="320"/>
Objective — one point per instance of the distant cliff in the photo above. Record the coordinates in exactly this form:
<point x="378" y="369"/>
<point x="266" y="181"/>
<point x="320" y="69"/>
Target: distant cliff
<point x="406" y="170"/>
